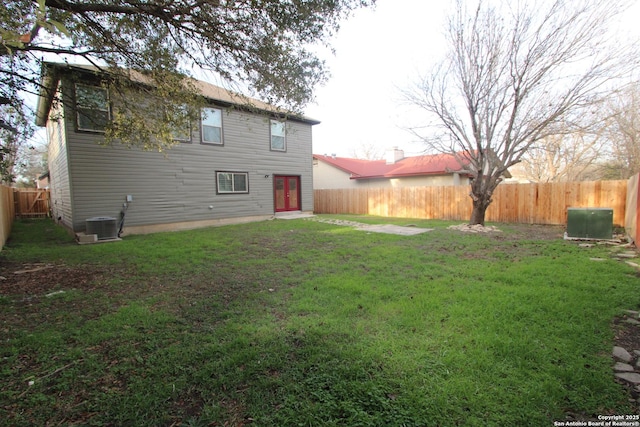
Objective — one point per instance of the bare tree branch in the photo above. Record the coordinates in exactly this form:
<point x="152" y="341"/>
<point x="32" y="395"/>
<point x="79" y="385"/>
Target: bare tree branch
<point x="513" y="74"/>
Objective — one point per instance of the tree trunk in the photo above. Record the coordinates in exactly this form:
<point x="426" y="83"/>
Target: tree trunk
<point x="481" y="197"/>
<point x="478" y="212"/>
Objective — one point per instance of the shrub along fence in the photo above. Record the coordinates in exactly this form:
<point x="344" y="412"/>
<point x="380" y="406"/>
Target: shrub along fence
<point x="536" y="203"/>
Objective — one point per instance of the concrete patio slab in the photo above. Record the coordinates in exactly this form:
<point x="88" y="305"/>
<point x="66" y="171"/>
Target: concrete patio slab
<point x="394" y="229"/>
<point x="293" y="215"/>
<point x="371" y="228"/>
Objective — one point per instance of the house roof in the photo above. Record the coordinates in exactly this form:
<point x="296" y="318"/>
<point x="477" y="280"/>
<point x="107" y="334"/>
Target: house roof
<point x="437" y="164"/>
<point x="51" y="72"/>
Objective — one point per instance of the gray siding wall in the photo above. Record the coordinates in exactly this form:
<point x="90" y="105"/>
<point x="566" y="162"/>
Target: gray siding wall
<point x="60" y="185"/>
<point x="180" y="184"/>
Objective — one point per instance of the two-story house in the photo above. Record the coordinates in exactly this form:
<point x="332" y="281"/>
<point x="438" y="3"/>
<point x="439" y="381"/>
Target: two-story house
<point x="236" y="165"/>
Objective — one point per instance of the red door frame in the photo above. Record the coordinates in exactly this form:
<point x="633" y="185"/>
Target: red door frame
<point x="285" y="203"/>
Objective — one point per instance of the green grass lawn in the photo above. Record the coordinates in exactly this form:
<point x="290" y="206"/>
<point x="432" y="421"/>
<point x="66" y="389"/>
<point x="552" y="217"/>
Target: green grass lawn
<point x="303" y="323"/>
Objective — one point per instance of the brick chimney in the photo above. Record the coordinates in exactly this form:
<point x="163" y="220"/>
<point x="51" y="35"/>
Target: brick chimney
<point x="393" y="155"/>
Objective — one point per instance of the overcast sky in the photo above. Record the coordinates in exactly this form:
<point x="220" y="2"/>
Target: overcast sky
<point x="379" y="51"/>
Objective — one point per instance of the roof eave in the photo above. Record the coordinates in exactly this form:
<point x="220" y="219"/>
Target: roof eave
<point x="408" y="175"/>
<point x="323" y="158"/>
<point x="48" y="81"/>
<point x="51" y="71"/>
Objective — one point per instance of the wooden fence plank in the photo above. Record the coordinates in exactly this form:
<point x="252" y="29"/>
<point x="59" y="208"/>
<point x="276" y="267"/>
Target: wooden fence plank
<point x="537" y="203"/>
<point x="7" y="213"/>
<point x="31" y="202"/>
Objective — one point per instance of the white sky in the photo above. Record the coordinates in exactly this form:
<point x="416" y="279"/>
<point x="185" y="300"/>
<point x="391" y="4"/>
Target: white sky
<point x="379" y="51"/>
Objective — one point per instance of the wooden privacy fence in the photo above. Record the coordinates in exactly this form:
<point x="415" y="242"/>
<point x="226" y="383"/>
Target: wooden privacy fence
<point x="7" y="213"/>
<point x="31" y="202"/>
<point x="517" y="203"/>
<point x="20" y="203"/>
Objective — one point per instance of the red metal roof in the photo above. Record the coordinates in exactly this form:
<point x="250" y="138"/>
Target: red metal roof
<point x="437" y="164"/>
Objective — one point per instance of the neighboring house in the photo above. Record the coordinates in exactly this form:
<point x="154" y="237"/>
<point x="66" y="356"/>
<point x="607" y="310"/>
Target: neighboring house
<point x="394" y="171"/>
<point x="43" y="181"/>
<point x="238" y="164"/>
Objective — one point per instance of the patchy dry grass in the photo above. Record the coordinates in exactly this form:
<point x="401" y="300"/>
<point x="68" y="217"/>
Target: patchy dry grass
<point x="303" y="323"/>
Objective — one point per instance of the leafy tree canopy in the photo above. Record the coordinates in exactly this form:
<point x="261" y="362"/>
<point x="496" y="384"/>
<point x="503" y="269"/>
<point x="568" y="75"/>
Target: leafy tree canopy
<point x="264" y="45"/>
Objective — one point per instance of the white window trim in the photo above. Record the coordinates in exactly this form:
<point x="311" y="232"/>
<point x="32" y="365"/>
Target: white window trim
<point x="284" y="135"/>
<point x="78" y="107"/>
<point x="202" y="125"/>
<point x="218" y="173"/>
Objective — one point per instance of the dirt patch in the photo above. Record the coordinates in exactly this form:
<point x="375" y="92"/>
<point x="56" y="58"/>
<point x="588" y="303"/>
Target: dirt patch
<point x="627" y="336"/>
<point x="40" y="279"/>
<point x="475" y="228"/>
<point x="518" y="232"/>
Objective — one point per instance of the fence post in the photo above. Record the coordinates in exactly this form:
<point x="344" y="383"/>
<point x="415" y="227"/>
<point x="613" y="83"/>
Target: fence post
<point x="7" y="213"/>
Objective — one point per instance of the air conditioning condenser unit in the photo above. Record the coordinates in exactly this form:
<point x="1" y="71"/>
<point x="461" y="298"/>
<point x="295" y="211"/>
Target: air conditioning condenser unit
<point x="590" y="223"/>
<point x="105" y="227"/>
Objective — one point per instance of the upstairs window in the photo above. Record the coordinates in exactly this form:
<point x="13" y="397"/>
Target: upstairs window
<point x="232" y="182"/>
<point x="182" y="133"/>
<point x="278" y="140"/>
<point x="211" y="120"/>
<point x="92" y="108"/>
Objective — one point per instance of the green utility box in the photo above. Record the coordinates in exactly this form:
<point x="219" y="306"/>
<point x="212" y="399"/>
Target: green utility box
<point x="590" y="223"/>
